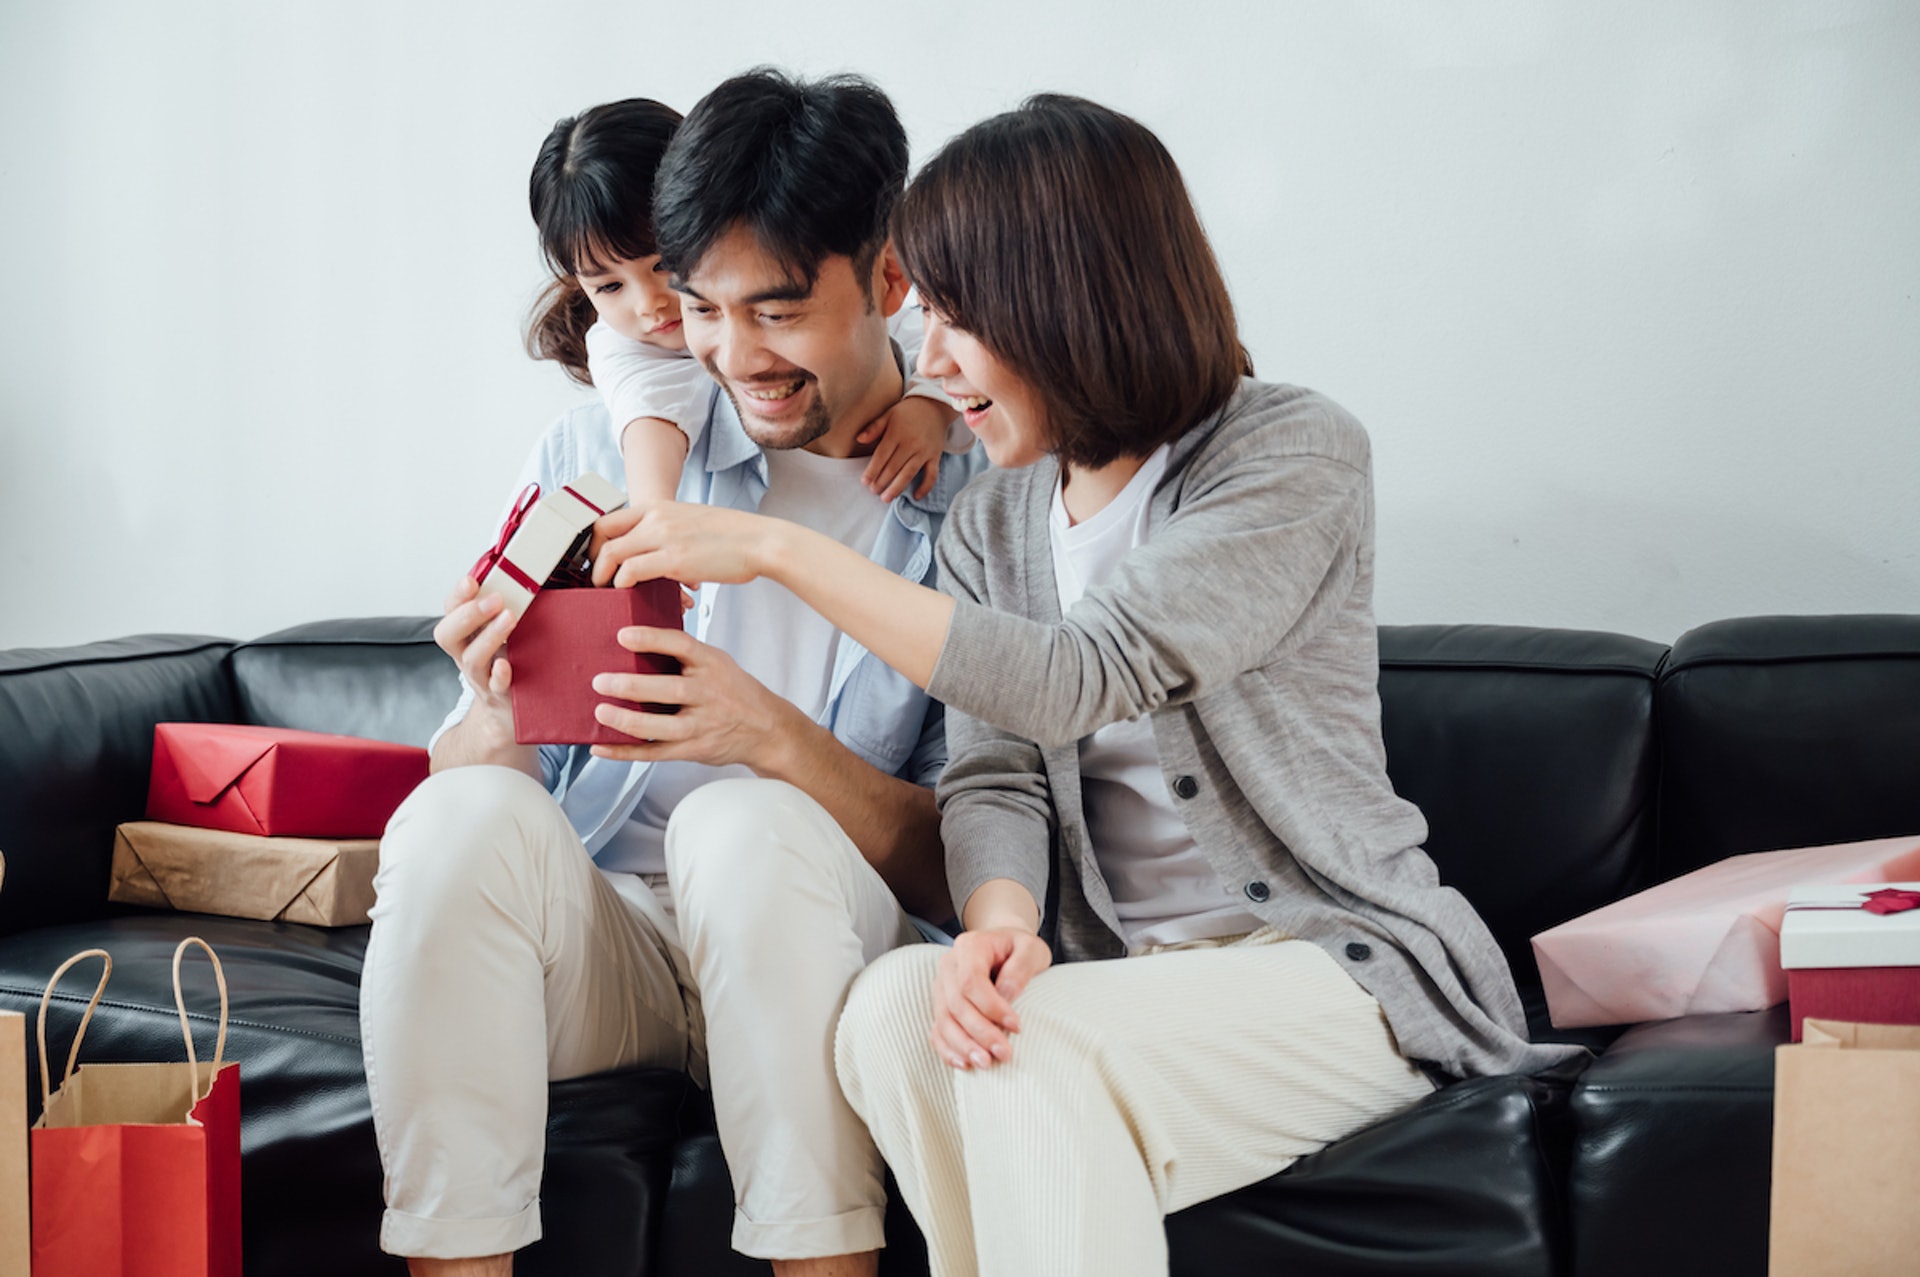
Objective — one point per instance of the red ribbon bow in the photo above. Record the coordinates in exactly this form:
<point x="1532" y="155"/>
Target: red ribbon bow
<point x="496" y="557"/>
<point x="1891" y="900"/>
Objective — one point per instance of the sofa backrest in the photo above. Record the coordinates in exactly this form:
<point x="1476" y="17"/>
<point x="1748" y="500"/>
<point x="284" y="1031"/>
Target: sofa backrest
<point x="1533" y="755"/>
<point x="380" y="677"/>
<point x="1788" y="731"/>
<point x="76" y="745"/>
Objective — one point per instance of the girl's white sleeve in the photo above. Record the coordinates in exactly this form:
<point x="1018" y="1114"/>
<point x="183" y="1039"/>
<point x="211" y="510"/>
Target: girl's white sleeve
<point x="637" y="380"/>
<point x="907" y="328"/>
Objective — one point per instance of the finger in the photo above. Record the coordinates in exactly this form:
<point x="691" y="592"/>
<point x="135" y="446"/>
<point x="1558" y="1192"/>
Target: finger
<point x="660" y="641"/>
<point x="873" y="429"/>
<point x="647" y="565"/>
<point x="642" y="726"/>
<point x="638" y="752"/>
<point x="929" y="475"/>
<point x="886" y="459"/>
<point x="463" y="620"/>
<point x="952" y="1041"/>
<point x="643" y="689"/>
<point x="500" y="681"/>
<point x="607" y="529"/>
<point x="984" y="996"/>
<point x="989" y="1042"/>
<point x="686" y="599"/>
<point x="1028" y="961"/>
<point x="476" y="660"/>
<point x="467" y="588"/>
<point x="902" y="479"/>
<point x="937" y="1040"/>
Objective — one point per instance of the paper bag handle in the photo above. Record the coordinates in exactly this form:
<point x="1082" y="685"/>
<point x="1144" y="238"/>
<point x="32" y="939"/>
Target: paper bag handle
<point x="73" y="1056"/>
<point x="186" y="1029"/>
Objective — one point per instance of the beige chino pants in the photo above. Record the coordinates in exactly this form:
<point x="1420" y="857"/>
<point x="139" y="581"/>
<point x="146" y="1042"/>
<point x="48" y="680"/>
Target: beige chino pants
<point x="1137" y="1087"/>
<point x="502" y="959"/>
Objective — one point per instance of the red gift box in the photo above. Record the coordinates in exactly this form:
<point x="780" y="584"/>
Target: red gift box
<point x="567" y="636"/>
<point x="1852" y="953"/>
<point x="278" y="782"/>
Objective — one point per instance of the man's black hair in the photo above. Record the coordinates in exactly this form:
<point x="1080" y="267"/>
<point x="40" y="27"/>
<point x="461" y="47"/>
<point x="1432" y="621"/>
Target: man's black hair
<point x="812" y="167"/>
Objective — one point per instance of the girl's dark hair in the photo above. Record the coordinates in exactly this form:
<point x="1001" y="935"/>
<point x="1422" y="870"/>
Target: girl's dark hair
<point x="592" y="195"/>
<point x="1062" y="237"/>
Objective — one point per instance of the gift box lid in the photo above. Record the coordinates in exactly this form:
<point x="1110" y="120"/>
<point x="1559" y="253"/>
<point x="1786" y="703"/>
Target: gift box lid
<point x="539" y="533"/>
<point x="1830" y="926"/>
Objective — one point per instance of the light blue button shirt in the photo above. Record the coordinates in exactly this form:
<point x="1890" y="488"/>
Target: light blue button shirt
<point x="873" y="710"/>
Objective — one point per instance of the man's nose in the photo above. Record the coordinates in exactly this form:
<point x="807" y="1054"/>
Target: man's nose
<point x="739" y="353"/>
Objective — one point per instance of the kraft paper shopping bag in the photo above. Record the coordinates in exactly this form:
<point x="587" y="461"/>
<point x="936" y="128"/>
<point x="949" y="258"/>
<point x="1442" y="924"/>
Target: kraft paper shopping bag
<point x="1846" y="1152"/>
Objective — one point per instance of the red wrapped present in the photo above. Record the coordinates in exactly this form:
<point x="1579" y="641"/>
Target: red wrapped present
<point x="278" y="782"/>
<point x="565" y="638"/>
<point x="1853" y="953"/>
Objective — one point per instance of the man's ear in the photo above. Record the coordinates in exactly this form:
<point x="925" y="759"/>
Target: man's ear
<point x="890" y="278"/>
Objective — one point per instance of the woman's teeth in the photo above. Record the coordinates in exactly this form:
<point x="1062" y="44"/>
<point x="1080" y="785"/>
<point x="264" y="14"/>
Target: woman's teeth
<point x="975" y="403"/>
<point x="787" y="391"/>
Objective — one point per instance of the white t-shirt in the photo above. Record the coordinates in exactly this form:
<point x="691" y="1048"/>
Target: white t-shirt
<point x="638" y="380"/>
<point x="1164" y="891"/>
<point x="773" y="636"/>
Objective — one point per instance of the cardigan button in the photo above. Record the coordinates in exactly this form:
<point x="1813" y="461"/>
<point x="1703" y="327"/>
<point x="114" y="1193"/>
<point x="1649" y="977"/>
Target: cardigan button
<point x="1258" y="892"/>
<point x="1358" y="952"/>
<point x="1185" y="786"/>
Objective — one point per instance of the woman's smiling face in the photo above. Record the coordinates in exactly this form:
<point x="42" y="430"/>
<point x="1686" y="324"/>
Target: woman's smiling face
<point x="997" y="404"/>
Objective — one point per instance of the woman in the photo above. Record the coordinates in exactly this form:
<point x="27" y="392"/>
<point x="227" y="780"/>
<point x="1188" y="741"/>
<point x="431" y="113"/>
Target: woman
<point x="1157" y="648"/>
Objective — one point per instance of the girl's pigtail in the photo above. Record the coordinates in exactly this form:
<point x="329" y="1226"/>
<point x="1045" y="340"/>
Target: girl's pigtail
<point x="557" y="327"/>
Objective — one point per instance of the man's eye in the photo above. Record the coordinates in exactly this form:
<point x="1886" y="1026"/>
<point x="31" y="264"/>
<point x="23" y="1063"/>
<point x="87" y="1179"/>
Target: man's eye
<point x="775" y="317"/>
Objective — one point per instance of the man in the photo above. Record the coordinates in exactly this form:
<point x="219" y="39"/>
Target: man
<point x="703" y="896"/>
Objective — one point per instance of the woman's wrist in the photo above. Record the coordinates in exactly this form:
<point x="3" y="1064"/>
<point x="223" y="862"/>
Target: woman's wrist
<point x="1001" y="904"/>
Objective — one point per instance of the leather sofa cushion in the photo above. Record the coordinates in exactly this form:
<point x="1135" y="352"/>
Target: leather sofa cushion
<point x="1672" y="1157"/>
<point x="76" y="744"/>
<point x="1532" y="755"/>
<point x="380" y="677"/>
<point x="1788" y="732"/>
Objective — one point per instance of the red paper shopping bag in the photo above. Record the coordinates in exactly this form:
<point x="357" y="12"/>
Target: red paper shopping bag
<point x="136" y="1167"/>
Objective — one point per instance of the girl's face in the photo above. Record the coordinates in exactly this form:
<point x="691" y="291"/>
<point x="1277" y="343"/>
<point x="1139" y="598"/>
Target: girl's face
<point x="632" y="298"/>
<point x="997" y="404"/>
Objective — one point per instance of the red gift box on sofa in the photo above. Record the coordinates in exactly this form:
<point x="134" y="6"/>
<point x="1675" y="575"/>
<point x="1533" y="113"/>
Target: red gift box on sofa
<point x="278" y="782"/>
<point x="565" y="637"/>
<point x="1852" y="953"/>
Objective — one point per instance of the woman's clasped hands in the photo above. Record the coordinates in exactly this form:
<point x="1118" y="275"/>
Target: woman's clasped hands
<point x="974" y="988"/>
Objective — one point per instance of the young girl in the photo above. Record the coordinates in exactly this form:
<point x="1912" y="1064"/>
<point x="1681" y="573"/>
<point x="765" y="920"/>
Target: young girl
<point x="611" y="320"/>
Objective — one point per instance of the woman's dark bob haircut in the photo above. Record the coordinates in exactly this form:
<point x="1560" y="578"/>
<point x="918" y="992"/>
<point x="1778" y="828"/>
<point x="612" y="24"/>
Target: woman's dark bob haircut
<point x="591" y="194"/>
<point x="1061" y="236"/>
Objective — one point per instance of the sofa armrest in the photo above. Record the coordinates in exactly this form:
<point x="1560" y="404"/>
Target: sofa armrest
<point x="76" y="744"/>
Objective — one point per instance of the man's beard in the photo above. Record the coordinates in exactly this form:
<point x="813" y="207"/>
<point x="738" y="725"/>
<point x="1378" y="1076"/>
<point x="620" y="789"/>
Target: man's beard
<point x="813" y="424"/>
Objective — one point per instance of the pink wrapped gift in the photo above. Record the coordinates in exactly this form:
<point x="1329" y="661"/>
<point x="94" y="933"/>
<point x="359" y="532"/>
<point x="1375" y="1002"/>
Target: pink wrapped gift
<point x="1706" y="942"/>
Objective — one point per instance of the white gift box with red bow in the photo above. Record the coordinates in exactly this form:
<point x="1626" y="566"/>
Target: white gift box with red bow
<point x="540" y="533"/>
<point x="1853" y="953"/>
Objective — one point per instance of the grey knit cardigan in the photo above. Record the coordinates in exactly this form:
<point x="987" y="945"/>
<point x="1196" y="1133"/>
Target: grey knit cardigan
<point x="1244" y="627"/>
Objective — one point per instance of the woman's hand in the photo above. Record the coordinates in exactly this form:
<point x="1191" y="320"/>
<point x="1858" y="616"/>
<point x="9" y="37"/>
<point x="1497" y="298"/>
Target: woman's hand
<point x="682" y="542"/>
<point x="974" y="991"/>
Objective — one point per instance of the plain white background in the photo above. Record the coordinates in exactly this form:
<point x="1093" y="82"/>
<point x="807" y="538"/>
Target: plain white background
<point x="1624" y="292"/>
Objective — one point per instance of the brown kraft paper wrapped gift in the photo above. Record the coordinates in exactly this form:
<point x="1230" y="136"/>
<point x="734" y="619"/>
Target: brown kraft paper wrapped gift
<point x="318" y="881"/>
<point x="1846" y="1152"/>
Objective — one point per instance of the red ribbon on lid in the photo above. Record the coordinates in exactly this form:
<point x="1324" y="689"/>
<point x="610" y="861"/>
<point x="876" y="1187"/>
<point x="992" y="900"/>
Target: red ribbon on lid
<point x="496" y="557"/>
<point x="1891" y="900"/>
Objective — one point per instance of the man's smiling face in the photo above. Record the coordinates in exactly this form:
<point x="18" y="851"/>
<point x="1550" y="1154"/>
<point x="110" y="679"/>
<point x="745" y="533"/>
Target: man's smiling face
<point x="801" y="362"/>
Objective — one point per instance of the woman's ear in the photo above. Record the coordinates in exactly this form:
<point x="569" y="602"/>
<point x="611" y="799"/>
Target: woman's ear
<point x="890" y="282"/>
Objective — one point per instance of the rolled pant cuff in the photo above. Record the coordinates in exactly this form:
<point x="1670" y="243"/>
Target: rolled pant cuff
<point x="417" y="1237"/>
<point x="852" y="1233"/>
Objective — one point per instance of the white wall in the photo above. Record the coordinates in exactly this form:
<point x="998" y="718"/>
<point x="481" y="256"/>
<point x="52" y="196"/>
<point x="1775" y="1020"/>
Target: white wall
<point x="1625" y="292"/>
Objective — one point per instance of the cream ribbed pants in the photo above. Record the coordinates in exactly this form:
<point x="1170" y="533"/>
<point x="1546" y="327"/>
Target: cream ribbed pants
<point x="501" y="959"/>
<point x="1137" y="1087"/>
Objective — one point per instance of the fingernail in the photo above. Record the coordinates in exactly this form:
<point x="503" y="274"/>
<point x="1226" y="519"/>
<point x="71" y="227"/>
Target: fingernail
<point x="1000" y="1051"/>
<point x="979" y="1059"/>
<point x="600" y="683"/>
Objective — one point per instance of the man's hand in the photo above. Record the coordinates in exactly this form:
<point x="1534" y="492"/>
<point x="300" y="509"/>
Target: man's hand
<point x="912" y="435"/>
<point x="726" y="715"/>
<point x="472" y="632"/>
<point x="974" y="990"/>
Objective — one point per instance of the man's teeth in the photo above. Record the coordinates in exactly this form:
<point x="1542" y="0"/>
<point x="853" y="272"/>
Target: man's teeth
<point x="973" y="403"/>
<point x="787" y="391"/>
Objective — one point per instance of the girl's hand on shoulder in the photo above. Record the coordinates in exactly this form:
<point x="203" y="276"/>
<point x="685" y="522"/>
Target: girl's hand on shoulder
<point x="912" y="435"/>
<point x="974" y="990"/>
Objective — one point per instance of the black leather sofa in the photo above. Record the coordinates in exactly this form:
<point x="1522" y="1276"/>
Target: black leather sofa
<point x="1558" y="769"/>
